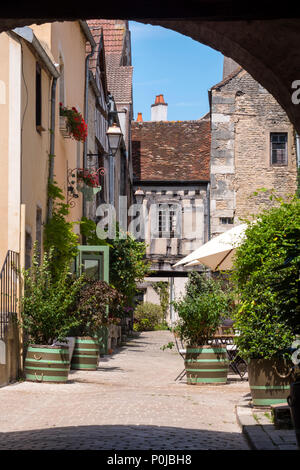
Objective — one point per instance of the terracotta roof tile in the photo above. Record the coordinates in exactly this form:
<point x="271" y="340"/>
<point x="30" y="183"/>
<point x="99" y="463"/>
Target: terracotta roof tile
<point x="119" y="78"/>
<point x="171" y="151"/>
<point x="120" y="84"/>
<point x="113" y="32"/>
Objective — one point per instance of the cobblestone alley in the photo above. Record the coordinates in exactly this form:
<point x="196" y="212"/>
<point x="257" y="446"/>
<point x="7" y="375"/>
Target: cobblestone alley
<point x="131" y="402"/>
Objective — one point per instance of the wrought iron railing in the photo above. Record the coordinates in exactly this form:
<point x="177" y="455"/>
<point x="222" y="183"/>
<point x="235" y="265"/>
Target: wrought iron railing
<point x="8" y="290"/>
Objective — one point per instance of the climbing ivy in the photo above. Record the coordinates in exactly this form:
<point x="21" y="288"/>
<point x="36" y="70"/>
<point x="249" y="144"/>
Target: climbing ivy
<point x="58" y="232"/>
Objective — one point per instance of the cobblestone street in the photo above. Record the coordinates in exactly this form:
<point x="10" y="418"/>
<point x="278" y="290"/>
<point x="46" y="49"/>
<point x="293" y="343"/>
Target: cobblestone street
<point x="131" y="402"/>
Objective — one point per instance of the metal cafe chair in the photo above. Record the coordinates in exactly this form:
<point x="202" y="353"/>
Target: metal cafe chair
<point x="225" y="336"/>
<point x="182" y="351"/>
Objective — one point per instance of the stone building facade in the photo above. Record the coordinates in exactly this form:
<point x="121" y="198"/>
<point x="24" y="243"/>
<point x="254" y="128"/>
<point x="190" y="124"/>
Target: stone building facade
<point x="171" y="182"/>
<point x="253" y="146"/>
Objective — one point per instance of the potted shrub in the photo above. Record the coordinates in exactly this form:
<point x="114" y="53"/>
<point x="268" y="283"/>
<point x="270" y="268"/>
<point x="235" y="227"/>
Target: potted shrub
<point x="47" y="314"/>
<point x="268" y="315"/>
<point x="200" y="313"/>
<point x="96" y="305"/>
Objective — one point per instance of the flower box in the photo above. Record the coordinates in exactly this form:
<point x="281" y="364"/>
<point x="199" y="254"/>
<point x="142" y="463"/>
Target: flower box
<point x="63" y="127"/>
<point x="73" y="124"/>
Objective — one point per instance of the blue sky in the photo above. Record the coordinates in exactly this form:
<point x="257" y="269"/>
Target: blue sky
<point x="168" y="63"/>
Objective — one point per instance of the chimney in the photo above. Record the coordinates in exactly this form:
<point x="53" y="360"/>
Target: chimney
<point x="229" y="66"/>
<point x="139" y="117"/>
<point x="159" y="109"/>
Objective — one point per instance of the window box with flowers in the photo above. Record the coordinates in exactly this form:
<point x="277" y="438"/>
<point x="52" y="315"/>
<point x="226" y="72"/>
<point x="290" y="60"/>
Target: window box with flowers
<point x="72" y="123"/>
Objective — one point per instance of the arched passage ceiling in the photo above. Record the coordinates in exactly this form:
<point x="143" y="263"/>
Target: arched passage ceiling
<point x="268" y="48"/>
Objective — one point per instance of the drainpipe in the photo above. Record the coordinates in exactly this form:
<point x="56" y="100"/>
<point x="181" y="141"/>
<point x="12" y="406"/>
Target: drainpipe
<point x="208" y="211"/>
<point x="92" y="42"/>
<point x="52" y="144"/>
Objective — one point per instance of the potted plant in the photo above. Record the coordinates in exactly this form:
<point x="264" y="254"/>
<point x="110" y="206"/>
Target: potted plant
<point x="268" y="314"/>
<point x="87" y="177"/>
<point x="47" y="314"/>
<point x="88" y="183"/>
<point x="75" y="124"/>
<point x="200" y="314"/>
<point x="96" y="305"/>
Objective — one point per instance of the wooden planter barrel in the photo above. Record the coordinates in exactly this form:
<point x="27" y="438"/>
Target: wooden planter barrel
<point x="47" y="363"/>
<point x="86" y="353"/>
<point x="267" y="383"/>
<point x="206" y="364"/>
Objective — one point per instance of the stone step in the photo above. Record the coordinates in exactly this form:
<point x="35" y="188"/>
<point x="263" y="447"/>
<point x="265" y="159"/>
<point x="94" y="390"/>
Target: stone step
<point x="282" y="416"/>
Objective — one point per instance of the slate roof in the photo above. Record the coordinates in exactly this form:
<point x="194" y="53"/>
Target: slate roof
<point x="171" y="150"/>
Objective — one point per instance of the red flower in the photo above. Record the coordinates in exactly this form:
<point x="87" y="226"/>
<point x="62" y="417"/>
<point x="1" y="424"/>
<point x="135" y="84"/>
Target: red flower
<point x="76" y="123"/>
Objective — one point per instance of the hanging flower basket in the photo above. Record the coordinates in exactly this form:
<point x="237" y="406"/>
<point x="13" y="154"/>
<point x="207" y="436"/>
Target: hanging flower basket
<point x="75" y="123"/>
<point x="87" y="177"/>
<point x="88" y="183"/>
<point x="88" y="191"/>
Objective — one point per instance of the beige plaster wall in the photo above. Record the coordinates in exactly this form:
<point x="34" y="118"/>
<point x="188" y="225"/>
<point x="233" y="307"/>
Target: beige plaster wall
<point x="35" y="144"/>
<point x="4" y="112"/>
<point x="66" y="39"/>
<point x="10" y="361"/>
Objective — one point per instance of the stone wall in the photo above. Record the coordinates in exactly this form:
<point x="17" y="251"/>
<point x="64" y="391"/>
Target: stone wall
<point x="243" y="114"/>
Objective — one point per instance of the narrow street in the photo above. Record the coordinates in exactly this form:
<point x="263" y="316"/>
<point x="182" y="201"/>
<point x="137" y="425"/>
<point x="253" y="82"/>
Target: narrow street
<point x="131" y="402"/>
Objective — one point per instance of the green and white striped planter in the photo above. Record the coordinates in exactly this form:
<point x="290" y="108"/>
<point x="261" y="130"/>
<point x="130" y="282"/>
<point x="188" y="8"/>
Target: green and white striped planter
<point x="47" y="363"/>
<point x="266" y="386"/>
<point x="86" y="353"/>
<point x="206" y="365"/>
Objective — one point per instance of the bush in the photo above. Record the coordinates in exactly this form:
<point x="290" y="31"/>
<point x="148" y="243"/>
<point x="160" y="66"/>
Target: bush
<point x="266" y="278"/>
<point x="94" y="300"/>
<point x="48" y="303"/>
<point x="128" y="264"/>
<point x="202" y="309"/>
<point x="147" y="316"/>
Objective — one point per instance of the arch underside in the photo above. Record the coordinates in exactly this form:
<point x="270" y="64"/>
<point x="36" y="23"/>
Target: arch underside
<point x="268" y="49"/>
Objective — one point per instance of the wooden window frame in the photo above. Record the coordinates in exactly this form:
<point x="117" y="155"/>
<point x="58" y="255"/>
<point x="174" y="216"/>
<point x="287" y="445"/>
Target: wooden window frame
<point x="285" y="134"/>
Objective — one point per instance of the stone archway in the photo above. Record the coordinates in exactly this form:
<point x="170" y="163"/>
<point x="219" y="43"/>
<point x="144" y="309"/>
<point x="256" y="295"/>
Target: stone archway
<point x="267" y="48"/>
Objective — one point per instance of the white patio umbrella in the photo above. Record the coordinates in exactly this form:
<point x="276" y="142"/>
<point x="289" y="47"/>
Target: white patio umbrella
<point x="218" y="252"/>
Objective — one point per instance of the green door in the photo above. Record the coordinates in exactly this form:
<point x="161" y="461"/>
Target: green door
<point x="94" y="261"/>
